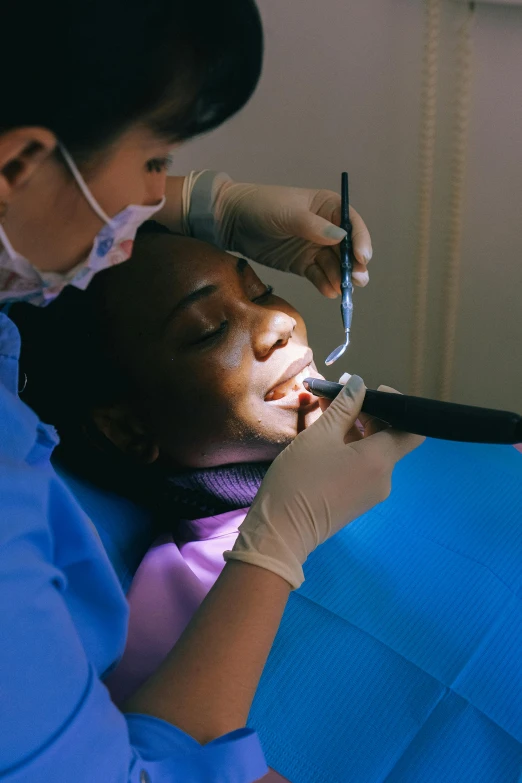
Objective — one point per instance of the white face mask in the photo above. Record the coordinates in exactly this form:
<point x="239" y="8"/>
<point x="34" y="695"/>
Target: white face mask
<point x="21" y="281"/>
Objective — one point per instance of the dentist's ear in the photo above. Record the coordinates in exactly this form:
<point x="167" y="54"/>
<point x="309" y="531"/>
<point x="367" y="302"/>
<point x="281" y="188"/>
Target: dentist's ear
<point x="125" y="430"/>
<point x="22" y="151"/>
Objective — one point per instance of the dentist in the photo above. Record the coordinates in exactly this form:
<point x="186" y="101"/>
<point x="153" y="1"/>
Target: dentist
<point x="94" y="98"/>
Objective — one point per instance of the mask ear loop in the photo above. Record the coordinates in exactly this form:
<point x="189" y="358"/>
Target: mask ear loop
<point x="83" y="186"/>
<point x="21" y="391"/>
<point x="11" y="252"/>
<point x="9" y="249"/>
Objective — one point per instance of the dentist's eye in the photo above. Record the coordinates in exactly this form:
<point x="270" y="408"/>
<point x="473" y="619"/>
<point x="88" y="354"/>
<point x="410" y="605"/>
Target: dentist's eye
<point x="267" y="293"/>
<point x="157" y="165"/>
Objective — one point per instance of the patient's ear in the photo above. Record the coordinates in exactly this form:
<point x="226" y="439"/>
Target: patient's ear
<point x="125" y="430"/>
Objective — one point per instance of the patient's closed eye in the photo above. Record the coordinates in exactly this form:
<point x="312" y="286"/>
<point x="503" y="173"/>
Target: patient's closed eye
<point x="213" y="334"/>
<point x="269" y="290"/>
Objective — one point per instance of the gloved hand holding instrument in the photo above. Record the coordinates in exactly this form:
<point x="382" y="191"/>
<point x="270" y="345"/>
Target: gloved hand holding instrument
<point x="292" y="229"/>
<point x="328" y="476"/>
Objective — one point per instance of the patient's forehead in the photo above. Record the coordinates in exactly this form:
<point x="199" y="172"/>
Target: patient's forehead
<point x="178" y="260"/>
<point x="163" y="268"/>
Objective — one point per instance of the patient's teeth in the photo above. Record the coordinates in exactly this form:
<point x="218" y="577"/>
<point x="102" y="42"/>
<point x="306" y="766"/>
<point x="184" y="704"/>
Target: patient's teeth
<point x="284" y="388"/>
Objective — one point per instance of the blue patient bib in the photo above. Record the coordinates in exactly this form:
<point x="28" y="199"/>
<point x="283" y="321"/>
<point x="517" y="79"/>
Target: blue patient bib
<point x="400" y="658"/>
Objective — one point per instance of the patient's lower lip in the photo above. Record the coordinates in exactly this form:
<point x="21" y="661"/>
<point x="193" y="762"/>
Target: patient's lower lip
<point x="286" y="388"/>
<point x="297" y="398"/>
<point x="294" y="401"/>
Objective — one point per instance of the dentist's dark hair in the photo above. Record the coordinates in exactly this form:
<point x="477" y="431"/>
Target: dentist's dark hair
<point x="66" y="372"/>
<point x="88" y="70"/>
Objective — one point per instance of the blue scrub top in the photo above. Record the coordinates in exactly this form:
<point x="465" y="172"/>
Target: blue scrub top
<point x="63" y="620"/>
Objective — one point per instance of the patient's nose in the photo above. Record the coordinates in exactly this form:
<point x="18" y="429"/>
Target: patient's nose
<point x="272" y="331"/>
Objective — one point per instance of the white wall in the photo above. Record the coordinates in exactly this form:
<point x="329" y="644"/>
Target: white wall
<point x="341" y="90"/>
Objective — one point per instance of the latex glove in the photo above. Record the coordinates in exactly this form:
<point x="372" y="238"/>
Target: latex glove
<point x="327" y="477"/>
<point x="292" y="229"/>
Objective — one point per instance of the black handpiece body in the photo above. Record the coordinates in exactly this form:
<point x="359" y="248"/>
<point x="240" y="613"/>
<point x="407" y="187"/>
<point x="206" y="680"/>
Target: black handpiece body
<point x="432" y="418"/>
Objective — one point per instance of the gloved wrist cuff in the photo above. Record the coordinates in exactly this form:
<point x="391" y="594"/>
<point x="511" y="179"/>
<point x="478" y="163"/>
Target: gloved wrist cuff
<point x="200" y="191"/>
<point x="294" y="576"/>
<point x="186" y="193"/>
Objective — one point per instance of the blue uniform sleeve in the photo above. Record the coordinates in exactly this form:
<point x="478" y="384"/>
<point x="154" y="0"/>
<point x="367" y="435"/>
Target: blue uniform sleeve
<point x="57" y="722"/>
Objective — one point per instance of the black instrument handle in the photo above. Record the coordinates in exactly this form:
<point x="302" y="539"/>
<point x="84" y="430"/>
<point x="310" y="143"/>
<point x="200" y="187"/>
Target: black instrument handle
<point x="432" y="418"/>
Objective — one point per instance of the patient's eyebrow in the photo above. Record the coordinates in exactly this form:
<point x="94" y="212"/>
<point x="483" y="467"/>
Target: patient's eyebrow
<point x="200" y="293"/>
<point x="190" y="299"/>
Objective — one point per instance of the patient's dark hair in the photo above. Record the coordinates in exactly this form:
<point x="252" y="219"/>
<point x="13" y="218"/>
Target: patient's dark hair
<point x="66" y="372"/>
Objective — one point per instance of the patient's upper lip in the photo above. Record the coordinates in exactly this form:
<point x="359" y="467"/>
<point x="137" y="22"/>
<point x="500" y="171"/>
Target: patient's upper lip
<point x="294" y="369"/>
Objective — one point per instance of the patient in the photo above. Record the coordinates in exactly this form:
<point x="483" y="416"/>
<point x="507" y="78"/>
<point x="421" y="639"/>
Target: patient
<point x="183" y="357"/>
<point x="178" y="380"/>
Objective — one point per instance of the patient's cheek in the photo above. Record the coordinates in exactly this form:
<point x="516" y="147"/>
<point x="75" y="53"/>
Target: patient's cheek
<point x="212" y="422"/>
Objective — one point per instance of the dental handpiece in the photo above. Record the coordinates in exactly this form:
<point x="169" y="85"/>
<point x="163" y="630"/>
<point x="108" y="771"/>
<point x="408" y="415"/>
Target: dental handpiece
<point x="432" y="418"/>
<point x="346" y="249"/>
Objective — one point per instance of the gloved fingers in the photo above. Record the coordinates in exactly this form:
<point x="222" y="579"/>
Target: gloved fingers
<point x="371" y="425"/>
<point x="360" y="276"/>
<point x="388" y="389"/>
<point x="306" y="224"/>
<point x="320" y="280"/>
<point x="353" y="435"/>
<point x="405" y="440"/>
<point x="360" y="425"/>
<point x="366" y="424"/>
<point x="324" y="404"/>
<point x="343" y="413"/>
<point x="361" y="240"/>
<point x="385" y="448"/>
<point x="327" y="259"/>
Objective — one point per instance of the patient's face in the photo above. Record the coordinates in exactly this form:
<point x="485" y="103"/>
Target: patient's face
<point x="215" y="357"/>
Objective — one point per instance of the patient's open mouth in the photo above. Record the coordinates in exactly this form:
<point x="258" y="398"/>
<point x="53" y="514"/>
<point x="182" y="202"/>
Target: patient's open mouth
<point x="289" y="391"/>
<point x="294" y="384"/>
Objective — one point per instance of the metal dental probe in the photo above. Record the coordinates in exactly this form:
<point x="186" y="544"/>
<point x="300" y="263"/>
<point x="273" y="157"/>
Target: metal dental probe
<point x="346" y="271"/>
